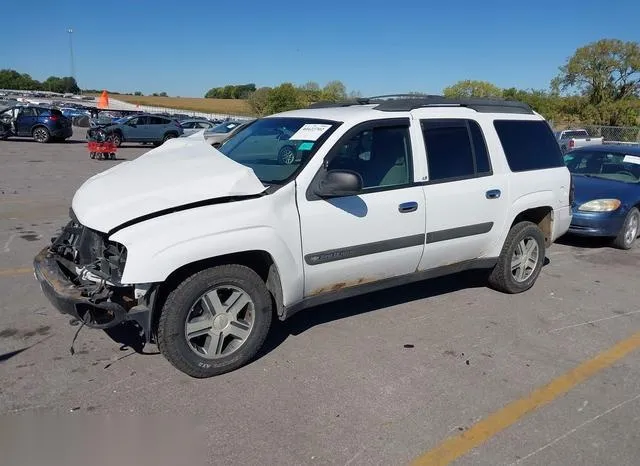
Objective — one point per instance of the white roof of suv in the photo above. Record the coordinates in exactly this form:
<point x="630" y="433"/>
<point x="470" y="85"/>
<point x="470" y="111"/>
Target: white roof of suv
<point x="364" y="109"/>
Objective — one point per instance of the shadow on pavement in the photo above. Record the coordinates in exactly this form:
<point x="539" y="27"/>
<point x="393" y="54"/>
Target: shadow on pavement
<point x="309" y="318"/>
<point x="6" y="356"/>
<point x="584" y="242"/>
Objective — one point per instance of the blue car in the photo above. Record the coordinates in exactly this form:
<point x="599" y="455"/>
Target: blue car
<point x="607" y="192"/>
<point x="44" y="124"/>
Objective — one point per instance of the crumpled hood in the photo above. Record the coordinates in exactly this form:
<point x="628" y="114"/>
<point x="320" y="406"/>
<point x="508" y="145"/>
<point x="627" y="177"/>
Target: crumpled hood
<point x="179" y="172"/>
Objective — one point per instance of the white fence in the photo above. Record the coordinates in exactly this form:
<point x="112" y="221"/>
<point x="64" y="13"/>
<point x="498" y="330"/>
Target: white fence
<point x="115" y="104"/>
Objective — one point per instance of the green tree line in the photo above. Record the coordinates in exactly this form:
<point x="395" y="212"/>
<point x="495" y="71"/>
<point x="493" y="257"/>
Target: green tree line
<point x="599" y="84"/>
<point x="11" y="79"/>
<point x="232" y="91"/>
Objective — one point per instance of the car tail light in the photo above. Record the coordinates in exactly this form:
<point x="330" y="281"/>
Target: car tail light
<point x="53" y="118"/>
<point x="572" y="192"/>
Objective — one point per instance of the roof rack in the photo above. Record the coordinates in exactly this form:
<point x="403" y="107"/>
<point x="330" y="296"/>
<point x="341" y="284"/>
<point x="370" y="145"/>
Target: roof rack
<point x="407" y="102"/>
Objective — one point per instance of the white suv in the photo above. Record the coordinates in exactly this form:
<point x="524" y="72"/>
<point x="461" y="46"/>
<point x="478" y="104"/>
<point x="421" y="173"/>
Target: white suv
<point x="200" y="247"/>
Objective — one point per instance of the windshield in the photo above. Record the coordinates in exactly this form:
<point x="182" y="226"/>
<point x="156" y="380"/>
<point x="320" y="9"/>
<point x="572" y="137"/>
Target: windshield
<point x="276" y="147"/>
<point x="224" y="127"/>
<point x="608" y="165"/>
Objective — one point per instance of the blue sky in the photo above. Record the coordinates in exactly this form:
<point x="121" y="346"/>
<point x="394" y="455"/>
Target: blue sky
<point x="376" y="47"/>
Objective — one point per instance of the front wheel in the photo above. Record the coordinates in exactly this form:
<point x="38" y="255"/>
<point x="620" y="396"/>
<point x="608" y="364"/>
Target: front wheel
<point x="116" y="139"/>
<point x="629" y="231"/>
<point x="215" y="321"/>
<point x="521" y="259"/>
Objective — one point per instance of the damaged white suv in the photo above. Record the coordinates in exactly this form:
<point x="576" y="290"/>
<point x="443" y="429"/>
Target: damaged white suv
<point x="200" y="247"/>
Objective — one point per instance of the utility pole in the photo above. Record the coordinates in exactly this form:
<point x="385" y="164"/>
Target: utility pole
<point x="73" y="67"/>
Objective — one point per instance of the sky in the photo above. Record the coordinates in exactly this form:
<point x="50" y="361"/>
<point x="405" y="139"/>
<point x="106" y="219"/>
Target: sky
<point x="375" y="47"/>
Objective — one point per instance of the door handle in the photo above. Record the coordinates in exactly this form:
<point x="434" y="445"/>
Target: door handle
<point x="407" y="207"/>
<point x="493" y="194"/>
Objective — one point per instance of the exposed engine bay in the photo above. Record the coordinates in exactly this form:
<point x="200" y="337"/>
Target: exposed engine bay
<point x="86" y="268"/>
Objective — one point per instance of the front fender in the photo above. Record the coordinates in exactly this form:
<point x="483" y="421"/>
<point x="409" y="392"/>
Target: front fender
<point x="159" y="246"/>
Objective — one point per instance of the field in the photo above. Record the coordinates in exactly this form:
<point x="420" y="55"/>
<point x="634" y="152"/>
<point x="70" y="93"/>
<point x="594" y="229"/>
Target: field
<point x="196" y="104"/>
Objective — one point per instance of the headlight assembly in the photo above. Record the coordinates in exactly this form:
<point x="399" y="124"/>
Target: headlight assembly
<point x="600" y="205"/>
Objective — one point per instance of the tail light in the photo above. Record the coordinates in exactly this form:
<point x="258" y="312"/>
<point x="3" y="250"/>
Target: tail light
<point x="53" y="118"/>
<point x="572" y="143"/>
<point x="572" y="192"/>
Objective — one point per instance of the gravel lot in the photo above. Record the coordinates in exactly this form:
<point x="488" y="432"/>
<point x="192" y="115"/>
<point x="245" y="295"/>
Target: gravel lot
<point x="379" y="379"/>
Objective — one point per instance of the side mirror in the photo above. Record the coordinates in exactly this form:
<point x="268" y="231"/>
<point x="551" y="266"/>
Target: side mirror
<point x="339" y="183"/>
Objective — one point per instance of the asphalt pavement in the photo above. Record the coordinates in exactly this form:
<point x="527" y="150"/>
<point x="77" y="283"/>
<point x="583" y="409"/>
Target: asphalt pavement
<point x="434" y="372"/>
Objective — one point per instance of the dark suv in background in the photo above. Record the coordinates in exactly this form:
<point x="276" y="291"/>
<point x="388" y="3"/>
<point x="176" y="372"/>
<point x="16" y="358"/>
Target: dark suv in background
<point x="143" y="128"/>
<point x="44" y="124"/>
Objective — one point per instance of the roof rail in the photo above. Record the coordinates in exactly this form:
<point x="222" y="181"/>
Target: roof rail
<point x="479" y="105"/>
<point x="327" y="104"/>
<point x="408" y="102"/>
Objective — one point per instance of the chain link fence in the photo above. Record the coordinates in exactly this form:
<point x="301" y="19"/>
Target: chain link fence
<point x="624" y="135"/>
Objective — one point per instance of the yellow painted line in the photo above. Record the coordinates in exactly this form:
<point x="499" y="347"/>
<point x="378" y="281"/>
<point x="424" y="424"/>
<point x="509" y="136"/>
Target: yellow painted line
<point x="455" y="447"/>
<point x="14" y="272"/>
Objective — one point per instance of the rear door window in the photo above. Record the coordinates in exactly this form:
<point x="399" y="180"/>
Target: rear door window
<point x="158" y="121"/>
<point x="455" y="149"/>
<point x="528" y="145"/>
<point x="28" y="111"/>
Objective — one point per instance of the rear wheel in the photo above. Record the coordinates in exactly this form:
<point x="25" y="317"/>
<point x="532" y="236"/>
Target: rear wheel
<point x="41" y="135"/>
<point x="521" y="259"/>
<point x="629" y="231"/>
<point x="215" y="321"/>
<point x="168" y="136"/>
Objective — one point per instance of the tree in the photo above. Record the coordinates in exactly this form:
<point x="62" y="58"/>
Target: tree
<point x="282" y="98"/>
<point x="472" y="88"/>
<point x="258" y="100"/>
<point x="311" y="91"/>
<point x="334" y="91"/>
<point x="163" y="94"/>
<point x="138" y="93"/>
<point x="63" y="85"/>
<point x="606" y="70"/>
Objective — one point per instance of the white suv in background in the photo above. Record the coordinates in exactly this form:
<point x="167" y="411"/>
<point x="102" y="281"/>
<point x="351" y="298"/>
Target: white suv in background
<point x="201" y="247"/>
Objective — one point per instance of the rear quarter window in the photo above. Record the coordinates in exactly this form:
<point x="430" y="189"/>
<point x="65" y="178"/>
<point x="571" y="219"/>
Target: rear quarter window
<point x="528" y="145"/>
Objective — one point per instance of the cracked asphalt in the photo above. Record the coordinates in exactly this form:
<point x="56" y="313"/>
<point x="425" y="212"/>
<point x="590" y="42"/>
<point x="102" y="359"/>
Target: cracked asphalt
<point x="379" y="379"/>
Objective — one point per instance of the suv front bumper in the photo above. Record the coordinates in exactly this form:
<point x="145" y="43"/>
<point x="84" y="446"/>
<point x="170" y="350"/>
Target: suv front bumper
<point x="72" y="299"/>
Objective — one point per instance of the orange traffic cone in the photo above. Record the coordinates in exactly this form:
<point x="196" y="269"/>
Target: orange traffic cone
<point x="104" y="100"/>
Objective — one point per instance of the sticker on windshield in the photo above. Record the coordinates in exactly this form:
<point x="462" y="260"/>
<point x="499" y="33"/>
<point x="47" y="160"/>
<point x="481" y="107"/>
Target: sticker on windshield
<point x="310" y="132"/>
<point x="631" y="159"/>
<point x="231" y="126"/>
<point x="305" y="146"/>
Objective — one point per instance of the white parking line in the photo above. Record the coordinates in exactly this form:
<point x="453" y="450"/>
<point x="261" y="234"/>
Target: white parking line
<point x="575" y="429"/>
<point x="6" y="245"/>
<point x="593" y="321"/>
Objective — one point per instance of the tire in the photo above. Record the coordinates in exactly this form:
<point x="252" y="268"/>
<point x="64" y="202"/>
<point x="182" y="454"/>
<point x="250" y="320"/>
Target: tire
<point x="41" y="134"/>
<point x="169" y="136"/>
<point x="503" y="277"/>
<point x="117" y="139"/>
<point x="287" y="155"/>
<point x="185" y="353"/>
<point x="629" y="231"/>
